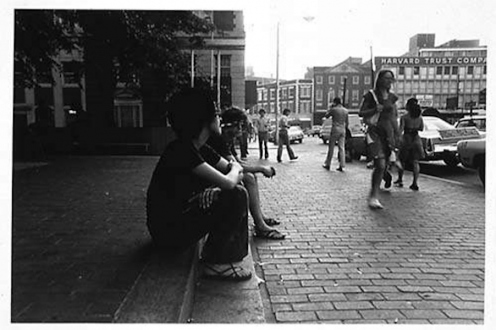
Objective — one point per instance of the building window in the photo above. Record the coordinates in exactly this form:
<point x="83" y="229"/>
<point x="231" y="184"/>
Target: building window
<point x="447" y="70"/>
<point x="439" y="70"/>
<point x="408" y="72"/>
<point x="402" y="71"/>
<point x="70" y="72"/>
<point x="291" y="105"/>
<point x="318" y="94"/>
<point x="485" y="69"/>
<point x="437" y="87"/>
<point x="478" y="71"/>
<point x="416" y="70"/>
<point x="399" y="86"/>
<point x="284" y="93"/>
<point x="430" y="72"/>
<point x="356" y="80"/>
<point x="304" y="91"/>
<point x="332" y="81"/>
<point x="319" y="79"/>
<point x="354" y="95"/>
<point x="272" y="94"/>
<point x="343" y="78"/>
<point x="265" y="94"/>
<point x="128" y="114"/>
<point x="367" y="80"/>
<point x="291" y="92"/>
<point x="408" y="87"/>
<point x="470" y="69"/>
<point x="415" y="87"/>
<point x="423" y="72"/>
<point x="454" y="70"/>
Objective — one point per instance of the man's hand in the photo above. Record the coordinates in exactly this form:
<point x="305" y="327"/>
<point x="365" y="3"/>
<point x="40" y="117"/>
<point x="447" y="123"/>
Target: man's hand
<point x="268" y="172"/>
<point x="380" y="107"/>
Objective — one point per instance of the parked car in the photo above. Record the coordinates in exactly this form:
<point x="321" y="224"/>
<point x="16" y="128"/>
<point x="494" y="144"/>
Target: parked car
<point x="478" y="121"/>
<point x="314" y="131"/>
<point x="472" y="154"/>
<point x="295" y="133"/>
<point x="440" y="138"/>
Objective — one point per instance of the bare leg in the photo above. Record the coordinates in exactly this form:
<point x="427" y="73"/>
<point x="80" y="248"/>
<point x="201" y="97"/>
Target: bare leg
<point x="416" y="172"/>
<point x="377" y="174"/>
<point x="251" y="186"/>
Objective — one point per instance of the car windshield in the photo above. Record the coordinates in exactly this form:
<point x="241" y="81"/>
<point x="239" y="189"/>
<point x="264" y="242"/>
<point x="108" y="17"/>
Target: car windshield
<point x="479" y="123"/>
<point x="295" y="128"/>
<point x="435" y="124"/>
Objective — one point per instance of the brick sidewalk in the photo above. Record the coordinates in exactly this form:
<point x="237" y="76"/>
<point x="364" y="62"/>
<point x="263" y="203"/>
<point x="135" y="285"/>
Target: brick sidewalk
<point x="79" y="238"/>
<point x="420" y="260"/>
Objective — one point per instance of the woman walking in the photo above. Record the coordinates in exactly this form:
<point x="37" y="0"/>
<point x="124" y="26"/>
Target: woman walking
<point x="411" y="147"/>
<point x="382" y="133"/>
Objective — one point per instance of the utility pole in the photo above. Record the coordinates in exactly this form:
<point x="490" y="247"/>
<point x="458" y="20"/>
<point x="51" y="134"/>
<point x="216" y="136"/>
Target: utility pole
<point x="276" y="137"/>
<point x="344" y="91"/>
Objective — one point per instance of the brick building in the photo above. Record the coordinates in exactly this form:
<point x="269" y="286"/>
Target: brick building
<point x="296" y="95"/>
<point x="348" y="80"/>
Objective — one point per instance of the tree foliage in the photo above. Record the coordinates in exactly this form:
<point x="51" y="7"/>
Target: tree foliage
<point x="134" y="40"/>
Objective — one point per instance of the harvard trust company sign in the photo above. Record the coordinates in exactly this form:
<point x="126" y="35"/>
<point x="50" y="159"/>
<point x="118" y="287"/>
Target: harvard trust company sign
<point x="427" y="61"/>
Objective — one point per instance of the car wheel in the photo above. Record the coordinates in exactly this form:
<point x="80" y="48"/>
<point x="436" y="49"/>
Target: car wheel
<point x="482" y="173"/>
<point x="451" y="161"/>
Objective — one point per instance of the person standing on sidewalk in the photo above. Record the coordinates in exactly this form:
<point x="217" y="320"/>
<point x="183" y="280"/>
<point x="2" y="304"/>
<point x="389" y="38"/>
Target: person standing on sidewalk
<point x="381" y="136"/>
<point x="411" y="149"/>
<point x="262" y="125"/>
<point x="284" y="138"/>
<point x="243" y="138"/>
<point x="193" y="191"/>
<point x="339" y="116"/>
<point x="231" y="128"/>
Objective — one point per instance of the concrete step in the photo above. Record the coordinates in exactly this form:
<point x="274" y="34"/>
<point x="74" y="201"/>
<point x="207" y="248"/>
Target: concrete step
<point x="163" y="293"/>
<point x="229" y="302"/>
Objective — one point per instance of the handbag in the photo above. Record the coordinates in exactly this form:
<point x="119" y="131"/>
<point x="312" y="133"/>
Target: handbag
<point x="372" y="120"/>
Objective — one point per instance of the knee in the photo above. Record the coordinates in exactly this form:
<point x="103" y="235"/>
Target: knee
<point x="249" y="179"/>
<point x="380" y="164"/>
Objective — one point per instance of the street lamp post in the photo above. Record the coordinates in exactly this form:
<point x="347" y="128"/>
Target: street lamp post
<point x="276" y="137"/>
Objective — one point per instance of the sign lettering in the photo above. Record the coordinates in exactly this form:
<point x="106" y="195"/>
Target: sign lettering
<point x="428" y="61"/>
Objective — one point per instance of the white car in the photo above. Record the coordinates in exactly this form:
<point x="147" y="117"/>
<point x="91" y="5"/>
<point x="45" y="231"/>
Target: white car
<point x="440" y="138"/>
<point x="472" y="154"/>
<point x="295" y="133"/>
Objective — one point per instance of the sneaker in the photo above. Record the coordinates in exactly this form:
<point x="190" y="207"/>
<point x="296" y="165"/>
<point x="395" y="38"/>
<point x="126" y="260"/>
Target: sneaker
<point x="414" y="187"/>
<point x="340" y="169"/>
<point x="327" y="167"/>
<point x="398" y="183"/>
<point x="375" y="204"/>
<point x="294" y="158"/>
<point x="279" y="160"/>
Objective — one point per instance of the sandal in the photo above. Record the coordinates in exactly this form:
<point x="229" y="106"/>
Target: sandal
<point x="271" y="222"/>
<point x="269" y="234"/>
<point x="230" y="273"/>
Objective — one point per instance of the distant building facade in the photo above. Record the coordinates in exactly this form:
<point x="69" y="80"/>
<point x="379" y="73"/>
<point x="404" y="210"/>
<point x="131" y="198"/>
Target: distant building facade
<point x="348" y="80"/>
<point x="452" y="75"/>
<point x="295" y="95"/>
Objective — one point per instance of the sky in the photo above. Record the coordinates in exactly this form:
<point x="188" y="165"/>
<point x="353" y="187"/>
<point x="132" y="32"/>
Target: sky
<point x="324" y="33"/>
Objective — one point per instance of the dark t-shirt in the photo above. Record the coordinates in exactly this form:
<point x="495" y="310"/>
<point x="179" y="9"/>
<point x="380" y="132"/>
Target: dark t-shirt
<point x="173" y="182"/>
<point x="220" y="146"/>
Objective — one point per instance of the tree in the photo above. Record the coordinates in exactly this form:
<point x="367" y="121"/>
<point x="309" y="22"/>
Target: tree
<point x="117" y="45"/>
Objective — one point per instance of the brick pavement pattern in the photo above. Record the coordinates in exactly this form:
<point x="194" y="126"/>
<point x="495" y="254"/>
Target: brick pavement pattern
<point x="420" y="260"/>
<point x="79" y="238"/>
